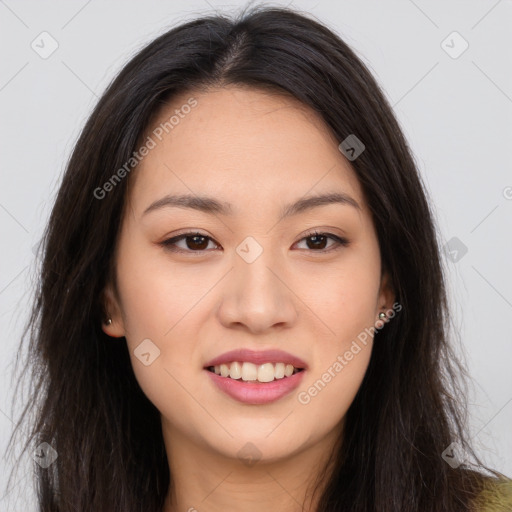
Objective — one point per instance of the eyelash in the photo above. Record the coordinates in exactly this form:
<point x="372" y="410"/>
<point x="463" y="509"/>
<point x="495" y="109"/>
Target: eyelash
<point x="169" y="243"/>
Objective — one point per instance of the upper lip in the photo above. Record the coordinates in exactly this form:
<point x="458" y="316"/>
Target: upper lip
<point x="257" y="357"/>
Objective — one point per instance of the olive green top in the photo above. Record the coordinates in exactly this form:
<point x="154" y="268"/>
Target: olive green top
<point x="496" y="496"/>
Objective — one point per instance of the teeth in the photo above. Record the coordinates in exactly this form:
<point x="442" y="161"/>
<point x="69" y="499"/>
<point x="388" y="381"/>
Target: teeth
<point x="288" y="371"/>
<point x="280" y="370"/>
<point x="235" y="370"/>
<point x="249" y="371"/>
<point x="266" y="372"/>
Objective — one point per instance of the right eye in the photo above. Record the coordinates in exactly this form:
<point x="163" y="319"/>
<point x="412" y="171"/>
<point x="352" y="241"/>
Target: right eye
<point x="195" y="242"/>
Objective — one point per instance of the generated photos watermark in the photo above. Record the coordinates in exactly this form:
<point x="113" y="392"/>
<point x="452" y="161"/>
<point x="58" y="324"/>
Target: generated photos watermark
<point x="304" y="397"/>
<point x="150" y="143"/>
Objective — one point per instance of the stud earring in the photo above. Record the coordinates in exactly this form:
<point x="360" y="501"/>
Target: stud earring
<point x="382" y="316"/>
<point x="108" y="321"/>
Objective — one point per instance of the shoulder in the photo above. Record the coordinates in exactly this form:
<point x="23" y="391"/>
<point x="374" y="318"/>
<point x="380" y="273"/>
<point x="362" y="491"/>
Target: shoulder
<point x="496" y="496"/>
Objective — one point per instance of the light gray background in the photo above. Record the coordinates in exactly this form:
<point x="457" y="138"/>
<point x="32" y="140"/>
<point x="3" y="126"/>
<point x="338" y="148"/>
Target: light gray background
<point x="455" y="112"/>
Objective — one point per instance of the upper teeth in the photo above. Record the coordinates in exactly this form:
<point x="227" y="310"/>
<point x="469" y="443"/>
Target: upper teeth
<point x="250" y="372"/>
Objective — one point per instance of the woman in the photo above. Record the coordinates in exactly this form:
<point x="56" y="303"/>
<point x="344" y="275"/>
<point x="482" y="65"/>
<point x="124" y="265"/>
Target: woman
<point x="242" y="304"/>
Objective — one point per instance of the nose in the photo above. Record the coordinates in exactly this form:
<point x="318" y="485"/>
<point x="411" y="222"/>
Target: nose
<point x="257" y="296"/>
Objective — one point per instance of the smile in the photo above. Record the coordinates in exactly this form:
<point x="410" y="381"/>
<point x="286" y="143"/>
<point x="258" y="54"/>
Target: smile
<point x="253" y="391"/>
<point x="251" y="372"/>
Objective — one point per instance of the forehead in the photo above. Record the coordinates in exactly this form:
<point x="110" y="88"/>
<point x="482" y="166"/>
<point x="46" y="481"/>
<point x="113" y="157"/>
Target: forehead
<point x="243" y="142"/>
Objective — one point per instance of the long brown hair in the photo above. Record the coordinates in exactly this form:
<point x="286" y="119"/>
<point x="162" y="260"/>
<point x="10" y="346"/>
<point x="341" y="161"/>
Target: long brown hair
<point x="89" y="406"/>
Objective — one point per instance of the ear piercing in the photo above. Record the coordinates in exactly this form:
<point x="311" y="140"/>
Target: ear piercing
<point x="108" y="321"/>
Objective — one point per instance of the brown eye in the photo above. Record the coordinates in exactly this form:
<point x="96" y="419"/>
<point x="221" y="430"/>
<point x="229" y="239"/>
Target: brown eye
<point x="194" y="242"/>
<point x="316" y="242"/>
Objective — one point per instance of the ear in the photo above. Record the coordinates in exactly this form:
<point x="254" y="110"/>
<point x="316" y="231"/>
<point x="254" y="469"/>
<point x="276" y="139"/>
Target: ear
<point x="112" y="310"/>
<point x="386" y="296"/>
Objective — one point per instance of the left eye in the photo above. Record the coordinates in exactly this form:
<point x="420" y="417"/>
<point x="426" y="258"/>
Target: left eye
<point x="318" y="240"/>
<point x="197" y="242"/>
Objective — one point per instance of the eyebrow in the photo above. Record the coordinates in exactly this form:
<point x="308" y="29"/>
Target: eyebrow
<point x="212" y="206"/>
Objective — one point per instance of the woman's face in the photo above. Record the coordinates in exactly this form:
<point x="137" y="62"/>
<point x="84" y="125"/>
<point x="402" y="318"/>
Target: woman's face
<point x="255" y="278"/>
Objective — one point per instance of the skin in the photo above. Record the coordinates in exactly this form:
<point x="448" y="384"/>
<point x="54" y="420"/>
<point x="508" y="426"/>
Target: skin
<point x="259" y="151"/>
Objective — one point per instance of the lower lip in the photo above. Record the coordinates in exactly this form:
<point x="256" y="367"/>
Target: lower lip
<point x="254" y="392"/>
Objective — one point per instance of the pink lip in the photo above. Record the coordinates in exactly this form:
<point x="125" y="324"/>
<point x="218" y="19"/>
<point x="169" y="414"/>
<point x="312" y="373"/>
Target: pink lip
<point x="252" y="392"/>
<point x="251" y="356"/>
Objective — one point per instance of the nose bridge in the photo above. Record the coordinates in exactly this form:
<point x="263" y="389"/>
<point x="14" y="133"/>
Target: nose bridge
<point x="256" y="296"/>
<point x="255" y="280"/>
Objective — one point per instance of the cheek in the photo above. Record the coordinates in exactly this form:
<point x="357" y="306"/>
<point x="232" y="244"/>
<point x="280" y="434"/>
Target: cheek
<point x="345" y="305"/>
<point x="328" y="394"/>
<point x="156" y="293"/>
<point x="162" y="305"/>
<point x="342" y="355"/>
<point x="342" y="295"/>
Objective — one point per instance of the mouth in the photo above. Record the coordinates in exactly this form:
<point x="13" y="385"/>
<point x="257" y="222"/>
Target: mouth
<point x="255" y="373"/>
<point x="255" y="384"/>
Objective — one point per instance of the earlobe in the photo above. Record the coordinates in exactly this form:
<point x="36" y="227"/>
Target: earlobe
<point x="386" y="293"/>
<point x="385" y="301"/>
<point x="112" y="323"/>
